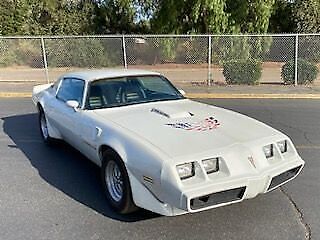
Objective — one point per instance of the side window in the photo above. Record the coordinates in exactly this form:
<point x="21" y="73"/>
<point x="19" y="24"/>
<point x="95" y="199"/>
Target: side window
<point x="71" y="89"/>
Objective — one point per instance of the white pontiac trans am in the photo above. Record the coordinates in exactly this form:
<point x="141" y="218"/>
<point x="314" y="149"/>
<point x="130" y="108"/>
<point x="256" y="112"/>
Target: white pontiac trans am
<point x="159" y="150"/>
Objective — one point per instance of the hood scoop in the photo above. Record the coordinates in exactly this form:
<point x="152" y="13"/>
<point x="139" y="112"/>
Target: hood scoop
<point x="172" y="113"/>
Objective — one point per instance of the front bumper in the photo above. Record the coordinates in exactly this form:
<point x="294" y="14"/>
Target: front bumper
<point x="228" y="191"/>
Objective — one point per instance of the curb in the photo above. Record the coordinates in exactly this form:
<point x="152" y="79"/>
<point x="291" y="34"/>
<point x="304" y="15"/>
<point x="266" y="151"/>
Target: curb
<point x="205" y="95"/>
<point x="15" y="95"/>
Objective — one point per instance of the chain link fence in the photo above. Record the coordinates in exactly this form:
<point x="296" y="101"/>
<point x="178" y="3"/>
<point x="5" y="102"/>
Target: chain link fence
<point x="72" y="54"/>
<point x="21" y="59"/>
<point x="190" y="60"/>
<point x="183" y="59"/>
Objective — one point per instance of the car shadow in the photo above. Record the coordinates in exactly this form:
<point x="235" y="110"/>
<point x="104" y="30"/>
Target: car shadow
<point x="64" y="167"/>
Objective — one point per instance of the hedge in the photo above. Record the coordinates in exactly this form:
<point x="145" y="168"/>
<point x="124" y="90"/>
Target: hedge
<point x="242" y="71"/>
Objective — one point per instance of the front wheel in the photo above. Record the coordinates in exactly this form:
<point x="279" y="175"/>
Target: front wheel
<point x="44" y="128"/>
<point x="115" y="181"/>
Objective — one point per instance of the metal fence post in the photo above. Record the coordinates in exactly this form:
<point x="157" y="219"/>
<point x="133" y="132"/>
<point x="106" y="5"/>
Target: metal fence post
<point x="45" y="63"/>
<point x="209" y="61"/>
<point x="124" y="52"/>
<point x="296" y="60"/>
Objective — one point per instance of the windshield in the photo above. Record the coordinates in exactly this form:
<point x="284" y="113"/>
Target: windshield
<point x="123" y="91"/>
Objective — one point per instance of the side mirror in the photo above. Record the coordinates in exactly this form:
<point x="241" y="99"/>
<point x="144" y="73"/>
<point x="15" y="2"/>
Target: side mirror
<point x="73" y="104"/>
<point x="182" y="92"/>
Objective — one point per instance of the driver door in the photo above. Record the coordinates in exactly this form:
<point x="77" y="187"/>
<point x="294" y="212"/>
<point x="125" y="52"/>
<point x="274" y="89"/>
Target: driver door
<point x="67" y="118"/>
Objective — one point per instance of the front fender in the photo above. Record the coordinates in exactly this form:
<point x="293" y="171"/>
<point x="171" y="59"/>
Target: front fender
<point x="142" y="160"/>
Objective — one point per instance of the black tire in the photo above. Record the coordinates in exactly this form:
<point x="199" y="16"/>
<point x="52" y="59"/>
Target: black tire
<point x="124" y="204"/>
<point x="43" y="120"/>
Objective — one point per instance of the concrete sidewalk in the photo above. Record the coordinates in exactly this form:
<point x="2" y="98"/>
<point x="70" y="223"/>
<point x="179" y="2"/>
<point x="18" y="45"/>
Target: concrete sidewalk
<point x="24" y="89"/>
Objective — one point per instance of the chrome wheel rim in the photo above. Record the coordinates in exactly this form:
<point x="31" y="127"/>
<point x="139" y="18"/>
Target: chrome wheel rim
<point x="114" y="180"/>
<point x="44" y="126"/>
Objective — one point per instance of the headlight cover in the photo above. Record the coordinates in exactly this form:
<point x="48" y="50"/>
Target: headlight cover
<point x="283" y="146"/>
<point x="185" y="170"/>
<point x="268" y="150"/>
<point x="211" y="165"/>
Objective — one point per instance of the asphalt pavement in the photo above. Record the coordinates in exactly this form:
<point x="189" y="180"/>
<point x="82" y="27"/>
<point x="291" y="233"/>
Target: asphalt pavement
<point x="55" y="193"/>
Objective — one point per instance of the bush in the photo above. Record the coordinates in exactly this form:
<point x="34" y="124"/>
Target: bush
<point x="307" y="72"/>
<point x="242" y="71"/>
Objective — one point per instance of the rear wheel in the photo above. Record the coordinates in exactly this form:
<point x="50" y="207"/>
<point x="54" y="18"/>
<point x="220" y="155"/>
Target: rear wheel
<point x="44" y="127"/>
<point x="115" y="181"/>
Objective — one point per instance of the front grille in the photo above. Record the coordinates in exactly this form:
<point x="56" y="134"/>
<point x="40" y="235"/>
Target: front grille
<point x="217" y="198"/>
<point x="277" y="180"/>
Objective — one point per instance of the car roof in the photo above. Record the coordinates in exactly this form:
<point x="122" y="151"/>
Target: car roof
<point x="91" y="75"/>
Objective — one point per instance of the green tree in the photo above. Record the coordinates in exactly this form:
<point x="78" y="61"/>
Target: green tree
<point x="307" y="16"/>
<point x="190" y="16"/>
<point x="62" y="17"/>
<point x="212" y="16"/>
<point x="116" y="16"/>
<point x="46" y="17"/>
<point x="14" y="16"/>
<point x="123" y="16"/>
<point x="249" y="16"/>
<point x="282" y="19"/>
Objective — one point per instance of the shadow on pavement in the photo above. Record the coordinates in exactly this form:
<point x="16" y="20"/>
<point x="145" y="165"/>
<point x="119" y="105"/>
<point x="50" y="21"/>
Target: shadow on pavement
<point x="64" y="167"/>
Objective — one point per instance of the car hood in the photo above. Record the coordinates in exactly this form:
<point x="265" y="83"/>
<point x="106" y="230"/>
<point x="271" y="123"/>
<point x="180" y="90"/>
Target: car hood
<point x="184" y="127"/>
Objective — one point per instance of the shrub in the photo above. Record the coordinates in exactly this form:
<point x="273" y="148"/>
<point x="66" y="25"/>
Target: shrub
<point x="307" y="72"/>
<point x="242" y="71"/>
